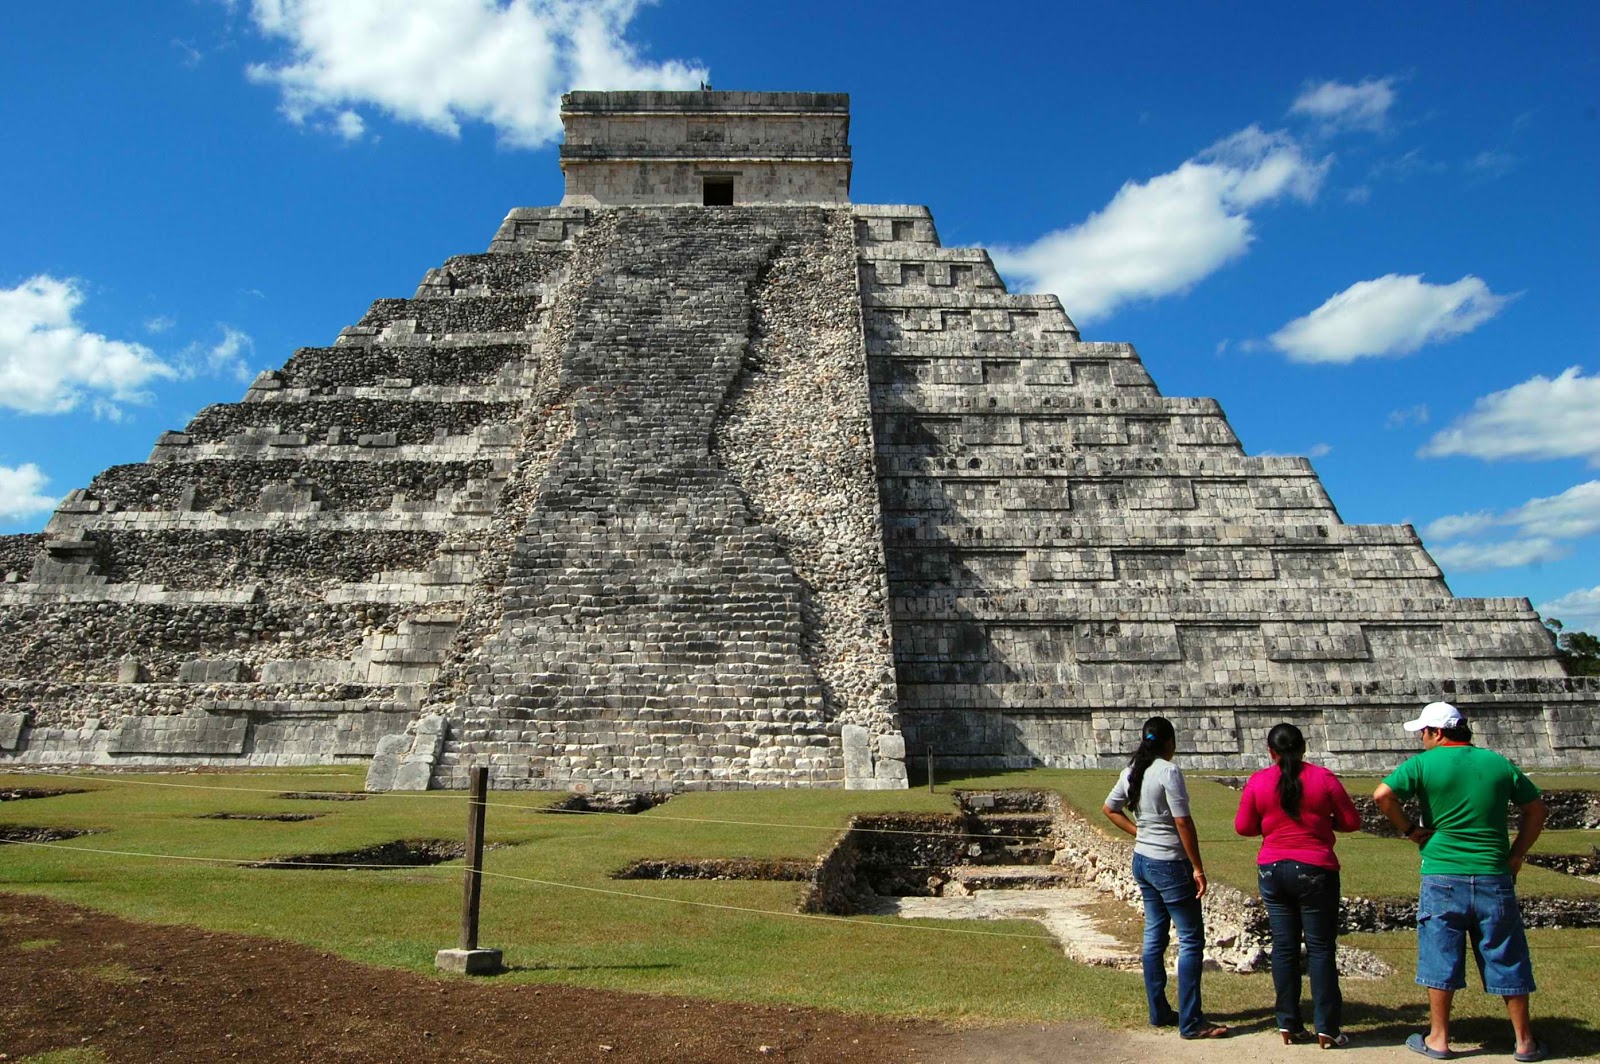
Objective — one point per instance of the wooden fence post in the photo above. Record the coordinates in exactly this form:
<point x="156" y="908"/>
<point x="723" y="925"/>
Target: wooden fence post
<point x="467" y="958"/>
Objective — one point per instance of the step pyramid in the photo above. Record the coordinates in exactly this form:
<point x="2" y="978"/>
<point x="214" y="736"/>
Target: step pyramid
<point x="658" y="495"/>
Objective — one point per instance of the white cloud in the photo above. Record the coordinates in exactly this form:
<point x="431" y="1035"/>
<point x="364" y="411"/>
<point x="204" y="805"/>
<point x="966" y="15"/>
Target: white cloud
<point x="349" y="125"/>
<point x="1454" y="526"/>
<point x="49" y="363"/>
<point x="1339" y="105"/>
<point x="1539" y="523"/>
<point x="1318" y="450"/>
<point x="1165" y="235"/>
<point x="1537" y="419"/>
<point x="440" y="63"/>
<point x="21" y="492"/>
<point x="1474" y="557"/>
<point x="1575" y="610"/>
<point x="1571" y="515"/>
<point x="227" y="354"/>
<point x="1418" y="414"/>
<point x="159" y="324"/>
<point x="1391" y="315"/>
<point x="1492" y="163"/>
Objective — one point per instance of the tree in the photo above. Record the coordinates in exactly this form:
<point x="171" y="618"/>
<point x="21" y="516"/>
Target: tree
<point x="1579" y="651"/>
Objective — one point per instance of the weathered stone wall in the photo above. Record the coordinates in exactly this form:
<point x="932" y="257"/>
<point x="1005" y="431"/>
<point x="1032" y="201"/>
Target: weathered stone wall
<point x="282" y="581"/>
<point x="222" y="485"/>
<point x="326" y="370"/>
<point x="1070" y="552"/>
<point x="658" y="148"/>
<point x="17" y="554"/>
<point x="797" y="435"/>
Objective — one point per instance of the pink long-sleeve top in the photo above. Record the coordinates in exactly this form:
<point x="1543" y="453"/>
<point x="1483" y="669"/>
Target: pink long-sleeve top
<point x="1324" y="809"/>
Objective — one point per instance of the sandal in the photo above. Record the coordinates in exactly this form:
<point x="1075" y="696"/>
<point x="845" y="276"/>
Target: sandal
<point x="1418" y="1043"/>
<point x="1294" y="1036"/>
<point x="1538" y="1052"/>
<point x="1332" y="1041"/>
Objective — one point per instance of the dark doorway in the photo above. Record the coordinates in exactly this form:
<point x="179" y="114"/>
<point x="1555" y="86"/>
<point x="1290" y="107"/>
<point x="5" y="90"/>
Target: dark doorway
<point x="718" y="192"/>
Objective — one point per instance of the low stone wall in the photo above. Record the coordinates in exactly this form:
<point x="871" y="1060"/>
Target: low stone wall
<point x="325" y="370"/>
<point x="17" y="554"/>
<point x="407" y="421"/>
<point x="290" y="563"/>
<point x="88" y="641"/>
<point x="434" y="317"/>
<point x="235" y="484"/>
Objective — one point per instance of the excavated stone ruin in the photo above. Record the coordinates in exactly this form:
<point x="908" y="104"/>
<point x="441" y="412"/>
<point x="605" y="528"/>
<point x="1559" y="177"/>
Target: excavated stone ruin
<point x="401" y="853"/>
<point x="626" y="803"/>
<point x="279" y="818"/>
<point x="36" y="834"/>
<point x="22" y="794"/>
<point x="725" y="868"/>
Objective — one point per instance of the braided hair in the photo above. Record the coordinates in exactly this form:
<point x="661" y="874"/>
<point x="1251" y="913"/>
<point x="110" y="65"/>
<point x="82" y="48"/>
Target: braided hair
<point x="1286" y="741"/>
<point x="1154" y="737"/>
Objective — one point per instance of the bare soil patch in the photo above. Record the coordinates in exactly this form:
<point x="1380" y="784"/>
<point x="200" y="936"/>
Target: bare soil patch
<point x="187" y="994"/>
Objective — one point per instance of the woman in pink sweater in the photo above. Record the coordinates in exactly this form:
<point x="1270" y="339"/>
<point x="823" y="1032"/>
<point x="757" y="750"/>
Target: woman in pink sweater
<point x="1296" y="808"/>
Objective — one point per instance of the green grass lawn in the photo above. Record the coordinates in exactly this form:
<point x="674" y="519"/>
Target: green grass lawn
<point x="645" y="941"/>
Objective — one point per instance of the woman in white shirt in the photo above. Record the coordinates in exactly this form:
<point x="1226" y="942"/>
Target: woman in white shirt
<point x="1170" y="874"/>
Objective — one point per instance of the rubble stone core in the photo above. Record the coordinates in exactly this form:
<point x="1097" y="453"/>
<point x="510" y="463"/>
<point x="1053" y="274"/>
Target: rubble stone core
<point x="656" y="495"/>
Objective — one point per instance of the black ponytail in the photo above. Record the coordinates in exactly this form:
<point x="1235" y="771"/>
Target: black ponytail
<point x="1154" y="737"/>
<point x="1286" y="741"/>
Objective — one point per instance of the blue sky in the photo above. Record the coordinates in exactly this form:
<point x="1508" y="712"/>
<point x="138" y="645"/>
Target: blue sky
<point x="1370" y="231"/>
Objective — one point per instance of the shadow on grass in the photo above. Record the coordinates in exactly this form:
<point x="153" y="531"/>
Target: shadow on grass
<point x="508" y="969"/>
<point x="1376" y="1025"/>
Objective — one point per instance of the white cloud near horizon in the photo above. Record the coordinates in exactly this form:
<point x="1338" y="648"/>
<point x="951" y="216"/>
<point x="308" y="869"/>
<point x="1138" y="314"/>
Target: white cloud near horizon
<point x="1570" y="515"/>
<point x="1539" y="523"/>
<point x="1165" y="235"/>
<point x="442" y="63"/>
<point x="1576" y="610"/>
<point x="1538" y="419"/>
<point x="1386" y="317"/>
<point x="22" y="492"/>
<point x="1476" y="557"/>
<point x="50" y="363"/>
<point x="1340" y="105"/>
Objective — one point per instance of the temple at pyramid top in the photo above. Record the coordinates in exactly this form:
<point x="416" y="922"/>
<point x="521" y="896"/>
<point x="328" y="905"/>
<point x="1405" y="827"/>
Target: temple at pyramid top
<point x="629" y="149"/>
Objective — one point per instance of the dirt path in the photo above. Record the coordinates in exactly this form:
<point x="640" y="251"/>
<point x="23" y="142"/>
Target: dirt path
<point x="140" y="992"/>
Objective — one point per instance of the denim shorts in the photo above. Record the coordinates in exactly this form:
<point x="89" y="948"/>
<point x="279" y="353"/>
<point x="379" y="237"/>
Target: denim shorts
<point x="1454" y="912"/>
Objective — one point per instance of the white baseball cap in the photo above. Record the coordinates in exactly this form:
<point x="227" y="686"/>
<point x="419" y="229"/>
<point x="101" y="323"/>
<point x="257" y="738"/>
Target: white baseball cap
<point x="1436" y="715"/>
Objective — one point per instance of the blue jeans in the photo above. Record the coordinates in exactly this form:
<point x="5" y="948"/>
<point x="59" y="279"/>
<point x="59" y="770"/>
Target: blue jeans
<point x="1169" y="898"/>
<point x="1303" y="900"/>
<point x="1453" y="911"/>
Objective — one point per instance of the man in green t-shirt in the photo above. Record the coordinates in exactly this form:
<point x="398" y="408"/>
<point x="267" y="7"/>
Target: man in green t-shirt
<point x="1469" y="868"/>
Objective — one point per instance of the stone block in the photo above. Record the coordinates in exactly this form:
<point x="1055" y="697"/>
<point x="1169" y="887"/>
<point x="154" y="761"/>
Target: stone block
<point x="469" y="961"/>
<point x="11" y="725"/>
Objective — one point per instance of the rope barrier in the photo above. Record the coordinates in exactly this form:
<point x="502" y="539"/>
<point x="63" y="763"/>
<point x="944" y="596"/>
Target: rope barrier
<point x="632" y="895"/>
<point x="442" y="796"/>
